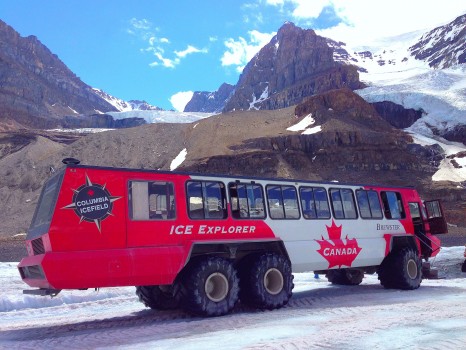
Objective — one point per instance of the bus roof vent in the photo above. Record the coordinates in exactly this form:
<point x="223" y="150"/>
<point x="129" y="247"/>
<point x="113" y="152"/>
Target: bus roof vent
<point x="72" y="161"/>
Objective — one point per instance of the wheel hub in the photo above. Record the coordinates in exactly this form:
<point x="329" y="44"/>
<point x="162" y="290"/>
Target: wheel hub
<point x="216" y="287"/>
<point x="411" y="268"/>
<point x="273" y="281"/>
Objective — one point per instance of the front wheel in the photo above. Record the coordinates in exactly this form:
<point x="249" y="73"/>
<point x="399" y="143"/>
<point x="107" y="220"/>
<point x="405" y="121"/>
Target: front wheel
<point x="401" y="269"/>
<point x="209" y="287"/>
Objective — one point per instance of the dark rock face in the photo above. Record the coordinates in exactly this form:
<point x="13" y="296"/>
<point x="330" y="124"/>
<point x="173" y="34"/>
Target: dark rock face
<point x="295" y="64"/>
<point x="457" y="134"/>
<point x="397" y="115"/>
<point x="443" y="46"/>
<point x="36" y="85"/>
<point x="210" y="102"/>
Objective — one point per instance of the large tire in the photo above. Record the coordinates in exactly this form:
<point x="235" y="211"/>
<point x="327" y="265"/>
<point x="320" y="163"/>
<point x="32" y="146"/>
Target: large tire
<point x="401" y="269"/>
<point x="209" y="287"/>
<point x="267" y="282"/>
<point x="158" y="297"/>
<point x="348" y="277"/>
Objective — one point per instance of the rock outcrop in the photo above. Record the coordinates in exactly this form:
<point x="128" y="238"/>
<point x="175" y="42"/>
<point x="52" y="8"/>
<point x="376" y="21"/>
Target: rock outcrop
<point x="210" y="102"/>
<point x="295" y="64"/>
<point x="396" y="114"/>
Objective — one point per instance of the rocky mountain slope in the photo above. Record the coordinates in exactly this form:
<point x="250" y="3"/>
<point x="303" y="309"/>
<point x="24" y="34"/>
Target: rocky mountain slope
<point x="36" y="86"/>
<point x="37" y="90"/>
<point x="444" y="46"/>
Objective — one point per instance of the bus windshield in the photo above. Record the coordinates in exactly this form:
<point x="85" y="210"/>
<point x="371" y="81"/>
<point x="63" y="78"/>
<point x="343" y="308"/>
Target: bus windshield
<point x="44" y="210"/>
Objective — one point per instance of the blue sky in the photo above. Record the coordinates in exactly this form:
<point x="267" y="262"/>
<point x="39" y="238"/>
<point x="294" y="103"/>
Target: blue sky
<point x="161" y="51"/>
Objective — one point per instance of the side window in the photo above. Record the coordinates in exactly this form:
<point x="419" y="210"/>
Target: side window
<point x="151" y="200"/>
<point x="283" y="202"/>
<point x="206" y="200"/>
<point x="314" y="203"/>
<point x="414" y="211"/>
<point x="247" y="201"/>
<point x="393" y="205"/>
<point x="343" y="203"/>
<point x="433" y="209"/>
<point x="369" y="204"/>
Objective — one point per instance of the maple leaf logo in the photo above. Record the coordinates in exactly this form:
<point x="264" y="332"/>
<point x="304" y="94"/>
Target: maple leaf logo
<point x="338" y="252"/>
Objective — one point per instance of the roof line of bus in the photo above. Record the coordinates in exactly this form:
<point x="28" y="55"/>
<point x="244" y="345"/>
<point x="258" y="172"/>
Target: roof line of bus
<point x="270" y="179"/>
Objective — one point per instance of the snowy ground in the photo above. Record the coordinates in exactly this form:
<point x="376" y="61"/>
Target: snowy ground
<point x="318" y="316"/>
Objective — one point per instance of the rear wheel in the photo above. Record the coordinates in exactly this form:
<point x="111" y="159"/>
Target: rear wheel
<point x="267" y="282"/>
<point x="349" y="277"/>
<point x="158" y="297"/>
<point x="401" y="269"/>
<point x="209" y="287"/>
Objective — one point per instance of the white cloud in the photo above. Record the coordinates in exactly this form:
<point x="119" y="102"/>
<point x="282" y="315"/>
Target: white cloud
<point x="365" y="20"/>
<point x="181" y="99"/>
<point x="142" y="28"/>
<point x="189" y="50"/>
<point x="140" y="23"/>
<point x="368" y="19"/>
<point x="162" y="60"/>
<point x="241" y="51"/>
<point x="275" y="2"/>
<point x="308" y="9"/>
<point x="166" y="62"/>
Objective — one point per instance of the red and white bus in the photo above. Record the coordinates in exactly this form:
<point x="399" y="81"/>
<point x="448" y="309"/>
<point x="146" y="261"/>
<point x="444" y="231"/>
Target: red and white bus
<point x="203" y="242"/>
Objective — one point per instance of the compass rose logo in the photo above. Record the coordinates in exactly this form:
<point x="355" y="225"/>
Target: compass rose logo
<point x="92" y="203"/>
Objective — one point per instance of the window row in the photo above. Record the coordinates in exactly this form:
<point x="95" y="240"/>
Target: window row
<point x="155" y="200"/>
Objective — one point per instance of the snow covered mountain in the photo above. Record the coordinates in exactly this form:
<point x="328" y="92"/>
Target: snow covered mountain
<point x="423" y="71"/>
<point x="443" y="46"/>
<point x="125" y="106"/>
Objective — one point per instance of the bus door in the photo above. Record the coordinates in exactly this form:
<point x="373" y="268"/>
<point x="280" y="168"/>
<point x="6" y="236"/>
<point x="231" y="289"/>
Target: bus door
<point x="418" y="217"/>
<point x="435" y="217"/>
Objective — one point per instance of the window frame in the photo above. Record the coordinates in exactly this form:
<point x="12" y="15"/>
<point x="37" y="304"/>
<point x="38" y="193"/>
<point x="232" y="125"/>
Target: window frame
<point x="313" y="188"/>
<point x="169" y="210"/>
<point x="372" y="217"/>
<point x="204" y="198"/>
<point x="400" y="205"/>
<point x="340" y="189"/>
<point x="247" y="186"/>
<point x="282" y="202"/>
